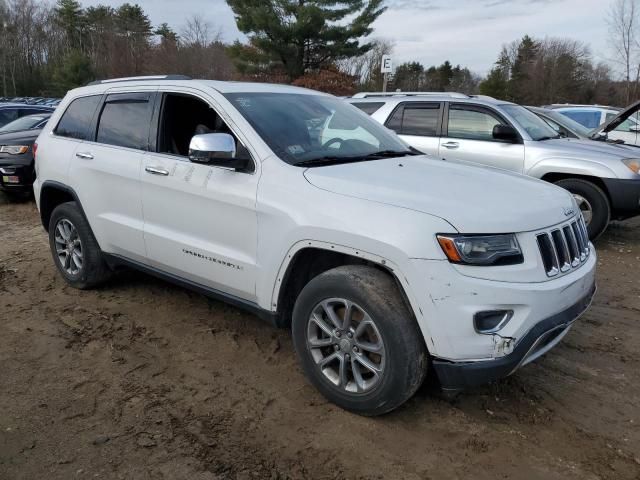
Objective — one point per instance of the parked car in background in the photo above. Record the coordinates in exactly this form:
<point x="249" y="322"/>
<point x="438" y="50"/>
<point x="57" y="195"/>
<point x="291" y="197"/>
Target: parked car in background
<point x="12" y="111"/>
<point x="17" y="156"/>
<point x="562" y="124"/>
<point x="589" y="116"/>
<point x="593" y="117"/>
<point x="603" y="178"/>
<point x="386" y="264"/>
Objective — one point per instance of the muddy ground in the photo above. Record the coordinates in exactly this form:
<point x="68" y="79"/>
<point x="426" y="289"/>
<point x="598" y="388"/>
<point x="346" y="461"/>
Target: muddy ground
<point x="145" y="380"/>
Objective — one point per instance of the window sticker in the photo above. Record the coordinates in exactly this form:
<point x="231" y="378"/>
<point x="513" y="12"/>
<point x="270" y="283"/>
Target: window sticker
<point x="295" y="149"/>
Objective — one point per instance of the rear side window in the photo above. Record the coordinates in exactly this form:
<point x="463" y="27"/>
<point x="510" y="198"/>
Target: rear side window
<point x="125" y="121"/>
<point x="421" y="121"/>
<point x="76" y="119"/>
<point x="416" y="119"/>
<point x="368" y="107"/>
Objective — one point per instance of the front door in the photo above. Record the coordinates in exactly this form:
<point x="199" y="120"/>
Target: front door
<point x="468" y="137"/>
<point x="200" y="221"/>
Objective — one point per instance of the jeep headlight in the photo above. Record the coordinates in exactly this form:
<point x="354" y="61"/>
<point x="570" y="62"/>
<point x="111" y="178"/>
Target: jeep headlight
<point x="632" y="164"/>
<point x="481" y="249"/>
<point x="14" y="149"/>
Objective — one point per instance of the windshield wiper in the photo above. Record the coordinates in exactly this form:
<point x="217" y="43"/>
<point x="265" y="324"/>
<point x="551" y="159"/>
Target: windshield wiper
<point x="333" y="160"/>
<point x="542" y="139"/>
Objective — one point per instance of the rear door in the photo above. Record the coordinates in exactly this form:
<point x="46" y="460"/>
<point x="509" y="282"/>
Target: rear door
<point x="468" y="136"/>
<point x="419" y="124"/>
<point x="106" y="172"/>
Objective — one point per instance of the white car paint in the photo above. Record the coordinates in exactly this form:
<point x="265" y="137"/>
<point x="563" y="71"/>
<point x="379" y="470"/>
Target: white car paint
<point x="237" y="232"/>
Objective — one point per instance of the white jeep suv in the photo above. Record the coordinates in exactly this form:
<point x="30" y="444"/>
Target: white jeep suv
<point x="294" y="205"/>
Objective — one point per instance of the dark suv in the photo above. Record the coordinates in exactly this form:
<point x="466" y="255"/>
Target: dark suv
<point x="17" y="160"/>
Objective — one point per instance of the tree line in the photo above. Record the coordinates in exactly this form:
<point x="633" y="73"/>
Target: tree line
<point x="48" y="48"/>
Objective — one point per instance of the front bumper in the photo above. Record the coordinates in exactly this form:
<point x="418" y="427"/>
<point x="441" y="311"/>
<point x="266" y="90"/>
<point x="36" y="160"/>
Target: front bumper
<point x="625" y="197"/>
<point x="539" y="340"/>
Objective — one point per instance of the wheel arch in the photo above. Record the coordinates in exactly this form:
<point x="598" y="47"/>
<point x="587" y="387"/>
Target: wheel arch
<point x="308" y="259"/>
<point x="53" y="194"/>
<point x="553" y="177"/>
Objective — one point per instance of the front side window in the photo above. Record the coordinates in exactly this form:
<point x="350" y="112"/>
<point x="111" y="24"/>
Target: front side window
<point x="303" y="128"/>
<point x="125" y="121"/>
<point x="471" y="123"/>
<point x="76" y="119"/>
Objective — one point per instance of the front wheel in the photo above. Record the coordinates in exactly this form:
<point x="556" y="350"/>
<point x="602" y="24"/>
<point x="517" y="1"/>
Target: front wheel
<point x="356" y="340"/>
<point x="593" y="203"/>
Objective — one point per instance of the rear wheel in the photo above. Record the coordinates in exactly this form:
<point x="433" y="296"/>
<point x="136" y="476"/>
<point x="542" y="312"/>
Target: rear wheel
<point x="357" y="341"/>
<point x="75" y="250"/>
<point x="593" y="203"/>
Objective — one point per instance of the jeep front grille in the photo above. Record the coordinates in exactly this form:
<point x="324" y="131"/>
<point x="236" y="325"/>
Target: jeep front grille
<point x="564" y="248"/>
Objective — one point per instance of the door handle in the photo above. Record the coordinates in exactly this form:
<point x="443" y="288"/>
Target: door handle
<point x="84" y="155"/>
<point x="157" y="171"/>
<point x="451" y="145"/>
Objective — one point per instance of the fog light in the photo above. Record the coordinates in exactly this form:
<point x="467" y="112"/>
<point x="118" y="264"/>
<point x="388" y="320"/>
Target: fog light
<point x="491" y="321"/>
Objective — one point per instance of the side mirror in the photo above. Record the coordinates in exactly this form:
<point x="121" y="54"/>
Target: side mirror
<point x="634" y="128"/>
<point x="217" y="149"/>
<point x="505" y="133"/>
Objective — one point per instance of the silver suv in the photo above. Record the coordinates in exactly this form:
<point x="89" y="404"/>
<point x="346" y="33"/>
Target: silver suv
<point x="604" y="178"/>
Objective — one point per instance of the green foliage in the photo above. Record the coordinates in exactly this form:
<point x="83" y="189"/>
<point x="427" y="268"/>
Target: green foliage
<point x="303" y="35"/>
<point x="74" y="71"/>
<point x="412" y="76"/>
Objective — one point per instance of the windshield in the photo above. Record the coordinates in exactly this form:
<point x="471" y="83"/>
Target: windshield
<point x="23" y="123"/>
<point x="537" y="128"/>
<point x="568" y="123"/>
<point x="302" y="129"/>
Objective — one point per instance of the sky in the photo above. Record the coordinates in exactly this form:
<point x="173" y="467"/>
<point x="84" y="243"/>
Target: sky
<point x="466" y="32"/>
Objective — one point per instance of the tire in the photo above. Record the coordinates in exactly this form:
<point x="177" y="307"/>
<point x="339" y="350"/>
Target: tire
<point x="91" y="270"/>
<point x="596" y="200"/>
<point x="403" y="359"/>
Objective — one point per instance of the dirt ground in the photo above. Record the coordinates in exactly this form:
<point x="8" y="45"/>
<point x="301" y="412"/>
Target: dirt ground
<point x="145" y="380"/>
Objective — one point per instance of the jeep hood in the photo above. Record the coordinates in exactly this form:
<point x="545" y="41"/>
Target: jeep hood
<point x="472" y="199"/>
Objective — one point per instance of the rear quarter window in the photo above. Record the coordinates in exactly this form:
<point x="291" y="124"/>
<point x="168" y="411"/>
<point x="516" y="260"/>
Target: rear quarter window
<point x="77" y="118"/>
<point x="369" y="107"/>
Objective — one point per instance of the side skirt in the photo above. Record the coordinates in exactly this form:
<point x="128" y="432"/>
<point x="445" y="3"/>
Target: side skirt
<point x="118" y="261"/>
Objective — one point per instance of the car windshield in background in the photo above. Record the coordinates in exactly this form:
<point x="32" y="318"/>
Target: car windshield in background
<point x="316" y="129"/>
<point x="23" y="123"/>
<point x="537" y="128"/>
<point x="568" y="123"/>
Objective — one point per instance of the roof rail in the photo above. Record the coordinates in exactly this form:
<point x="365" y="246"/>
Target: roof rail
<point x="147" y="77"/>
<point x="409" y="94"/>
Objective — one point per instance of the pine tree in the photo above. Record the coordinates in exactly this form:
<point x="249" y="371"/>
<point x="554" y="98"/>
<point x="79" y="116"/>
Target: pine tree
<point x="302" y="35"/>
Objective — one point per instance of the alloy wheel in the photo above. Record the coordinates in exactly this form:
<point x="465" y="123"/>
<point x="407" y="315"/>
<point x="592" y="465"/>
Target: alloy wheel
<point x="585" y="208"/>
<point x="68" y="246"/>
<point x="346" y="345"/>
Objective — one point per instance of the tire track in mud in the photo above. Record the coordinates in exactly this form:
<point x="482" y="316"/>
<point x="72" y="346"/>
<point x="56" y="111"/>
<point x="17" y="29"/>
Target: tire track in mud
<point x="141" y="379"/>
